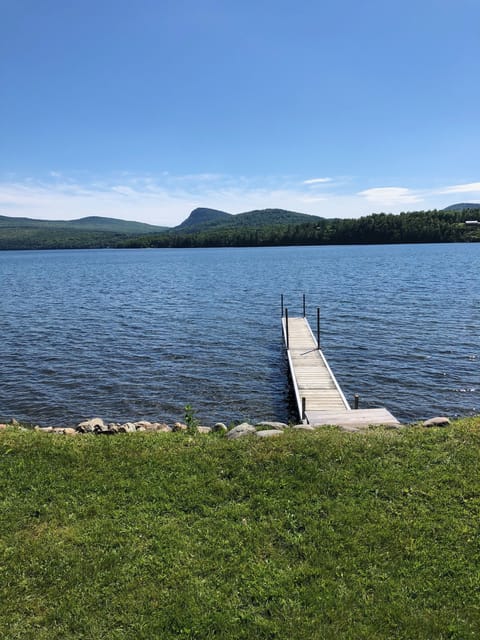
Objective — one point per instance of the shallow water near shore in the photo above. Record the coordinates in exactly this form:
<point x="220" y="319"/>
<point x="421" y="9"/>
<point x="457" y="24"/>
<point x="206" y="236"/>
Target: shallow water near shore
<point x="132" y="334"/>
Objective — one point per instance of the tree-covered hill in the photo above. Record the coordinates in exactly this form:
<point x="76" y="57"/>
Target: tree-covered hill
<point x="268" y="227"/>
<point x="90" y="223"/>
<point x="98" y="223"/>
<point x="269" y="217"/>
<point x="460" y="206"/>
<point x="379" y="228"/>
<point x="89" y="232"/>
<point x="201" y="219"/>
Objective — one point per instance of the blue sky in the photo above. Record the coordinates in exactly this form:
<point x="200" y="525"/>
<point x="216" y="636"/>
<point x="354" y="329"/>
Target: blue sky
<point x="144" y="110"/>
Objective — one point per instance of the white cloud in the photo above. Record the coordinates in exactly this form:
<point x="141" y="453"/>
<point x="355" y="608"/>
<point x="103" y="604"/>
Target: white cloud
<point x="70" y="201"/>
<point x="470" y="187"/>
<point x="167" y="199"/>
<point x="198" y="177"/>
<point x="317" y="181"/>
<point x="390" y="196"/>
<point x="164" y="199"/>
<point x="123" y="190"/>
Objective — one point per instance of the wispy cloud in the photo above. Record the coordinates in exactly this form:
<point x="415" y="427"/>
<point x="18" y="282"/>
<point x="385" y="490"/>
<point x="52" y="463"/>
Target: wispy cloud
<point x="469" y="187"/>
<point x="167" y="199"/>
<point x="65" y="201"/>
<point x="197" y="177"/>
<point x="390" y="196"/>
<point x="123" y="190"/>
<point x="317" y="181"/>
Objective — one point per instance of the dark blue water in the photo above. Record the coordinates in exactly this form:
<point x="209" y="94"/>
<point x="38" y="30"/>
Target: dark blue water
<point x="139" y="334"/>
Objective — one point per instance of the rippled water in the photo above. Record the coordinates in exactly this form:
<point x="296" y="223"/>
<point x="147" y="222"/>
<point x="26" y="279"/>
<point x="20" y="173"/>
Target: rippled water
<point x="141" y="333"/>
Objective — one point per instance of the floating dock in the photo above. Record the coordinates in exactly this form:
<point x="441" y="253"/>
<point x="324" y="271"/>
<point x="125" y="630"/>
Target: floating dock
<point x="319" y="397"/>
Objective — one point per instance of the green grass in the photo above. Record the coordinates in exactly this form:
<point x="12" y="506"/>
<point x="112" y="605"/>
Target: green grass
<point x="317" y="535"/>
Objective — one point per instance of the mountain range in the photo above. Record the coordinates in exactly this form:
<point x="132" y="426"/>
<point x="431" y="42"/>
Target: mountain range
<point x="202" y="219"/>
<point x="96" y="231"/>
<point x="211" y="227"/>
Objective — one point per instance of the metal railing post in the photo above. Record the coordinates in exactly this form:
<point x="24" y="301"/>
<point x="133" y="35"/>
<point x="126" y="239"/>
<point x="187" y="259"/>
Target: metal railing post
<point x="286" y="329"/>
<point x="318" y="327"/>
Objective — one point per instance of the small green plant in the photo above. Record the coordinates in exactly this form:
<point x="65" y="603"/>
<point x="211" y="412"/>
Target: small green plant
<point x="190" y="419"/>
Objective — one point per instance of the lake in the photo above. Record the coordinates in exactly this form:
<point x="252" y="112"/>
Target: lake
<point x="139" y="334"/>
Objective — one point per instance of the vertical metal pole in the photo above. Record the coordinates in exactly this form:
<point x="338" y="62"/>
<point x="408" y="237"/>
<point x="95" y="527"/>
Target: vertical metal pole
<point x="356" y="399"/>
<point x="304" y="409"/>
<point x="304" y="308"/>
<point x="281" y="298"/>
<point x="318" y="327"/>
<point x="286" y="328"/>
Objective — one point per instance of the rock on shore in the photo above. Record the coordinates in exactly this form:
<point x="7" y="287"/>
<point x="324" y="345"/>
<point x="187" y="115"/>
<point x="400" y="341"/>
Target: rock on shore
<point x="263" y="429"/>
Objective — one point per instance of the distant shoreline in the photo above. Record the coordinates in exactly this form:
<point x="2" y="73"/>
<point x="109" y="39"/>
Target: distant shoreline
<point x="206" y="228"/>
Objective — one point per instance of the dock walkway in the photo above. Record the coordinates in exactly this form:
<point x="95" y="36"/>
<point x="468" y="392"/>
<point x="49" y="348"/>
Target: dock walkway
<point x="319" y="397"/>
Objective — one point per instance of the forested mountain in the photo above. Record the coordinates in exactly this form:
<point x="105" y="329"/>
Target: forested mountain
<point x="269" y="227"/>
<point x="269" y="217"/>
<point x="90" y="223"/>
<point x="378" y="228"/>
<point x="90" y="232"/>
<point x="203" y="219"/>
<point x="463" y="205"/>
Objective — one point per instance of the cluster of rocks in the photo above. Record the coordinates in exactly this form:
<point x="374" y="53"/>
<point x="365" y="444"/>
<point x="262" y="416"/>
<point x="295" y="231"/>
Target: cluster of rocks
<point x="98" y="427"/>
<point x="264" y="429"/>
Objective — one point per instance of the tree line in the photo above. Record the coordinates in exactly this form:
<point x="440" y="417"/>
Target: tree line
<point x="377" y="228"/>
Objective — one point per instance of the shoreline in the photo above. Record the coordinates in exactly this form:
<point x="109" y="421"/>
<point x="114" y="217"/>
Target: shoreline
<point x="191" y="426"/>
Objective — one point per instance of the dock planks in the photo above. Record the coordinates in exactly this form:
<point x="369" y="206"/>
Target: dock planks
<point x="316" y="386"/>
<point x="312" y="377"/>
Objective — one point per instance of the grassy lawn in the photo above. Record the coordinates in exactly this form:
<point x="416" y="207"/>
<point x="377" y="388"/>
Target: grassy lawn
<point x="309" y="535"/>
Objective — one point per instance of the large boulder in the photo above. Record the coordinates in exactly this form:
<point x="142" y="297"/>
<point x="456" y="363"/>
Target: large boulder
<point x="88" y="426"/>
<point x="127" y="427"/>
<point x="273" y="425"/>
<point x="268" y="433"/>
<point x="161" y="426"/>
<point x="240" y="431"/>
<point x="43" y="429"/>
<point x="440" y="421"/>
<point x="303" y="427"/>
<point x="143" y="425"/>
<point x="180" y="426"/>
<point x="101" y="428"/>
<point x="204" y="429"/>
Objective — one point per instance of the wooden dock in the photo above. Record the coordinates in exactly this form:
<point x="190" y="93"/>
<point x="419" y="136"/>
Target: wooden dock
<point x="319" y="397"/>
